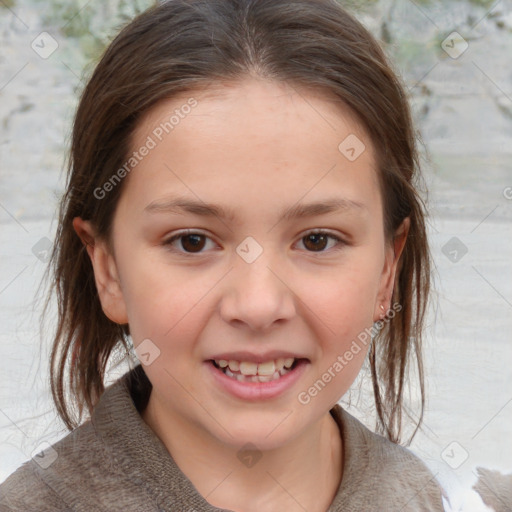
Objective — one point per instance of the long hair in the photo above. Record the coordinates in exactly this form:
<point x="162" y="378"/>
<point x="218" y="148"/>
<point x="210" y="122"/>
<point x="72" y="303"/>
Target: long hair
<point x="182" y="45"/>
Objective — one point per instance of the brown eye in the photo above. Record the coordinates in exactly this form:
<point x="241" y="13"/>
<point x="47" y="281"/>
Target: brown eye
<point x="318" y="241"/>
<point x="188" y="243"/>
<point x="315" y="241"/>
<point x="193" y="243"/>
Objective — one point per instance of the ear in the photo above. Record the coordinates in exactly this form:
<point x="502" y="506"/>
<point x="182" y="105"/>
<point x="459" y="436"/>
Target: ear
<point x="105" y="272"/>
<point x="392" y="256"/>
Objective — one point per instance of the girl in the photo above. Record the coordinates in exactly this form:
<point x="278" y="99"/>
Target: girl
<point x="240" y="206"/>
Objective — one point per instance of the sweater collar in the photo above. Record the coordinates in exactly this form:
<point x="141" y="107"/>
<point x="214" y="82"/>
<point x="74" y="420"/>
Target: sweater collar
<point x="147" y="463"/>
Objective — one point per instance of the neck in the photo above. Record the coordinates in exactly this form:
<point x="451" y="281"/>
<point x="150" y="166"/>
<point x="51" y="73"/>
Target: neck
<point x="305" y="474"/>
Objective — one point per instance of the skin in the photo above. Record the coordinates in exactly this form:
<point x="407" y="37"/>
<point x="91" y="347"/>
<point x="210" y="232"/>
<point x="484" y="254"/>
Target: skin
<point x="256" y="147"/>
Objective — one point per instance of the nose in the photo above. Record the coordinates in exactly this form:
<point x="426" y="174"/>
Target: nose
<point x="257" y="295"/>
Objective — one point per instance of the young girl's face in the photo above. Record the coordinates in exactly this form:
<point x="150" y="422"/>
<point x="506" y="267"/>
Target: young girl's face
<point x="249" y="284"/>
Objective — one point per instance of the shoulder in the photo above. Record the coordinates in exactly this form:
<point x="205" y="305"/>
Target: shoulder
<point x="24" y="490"/>
<point x="80" y="471"/>
<point x="385" y="475"/>
<point x="53" y="479"/>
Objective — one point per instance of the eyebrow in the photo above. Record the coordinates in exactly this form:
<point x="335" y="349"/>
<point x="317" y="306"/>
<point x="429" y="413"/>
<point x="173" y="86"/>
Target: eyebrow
<point x="179" y="205"/>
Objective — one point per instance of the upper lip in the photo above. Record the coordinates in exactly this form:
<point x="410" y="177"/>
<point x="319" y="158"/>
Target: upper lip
<point x="242" y="355"/>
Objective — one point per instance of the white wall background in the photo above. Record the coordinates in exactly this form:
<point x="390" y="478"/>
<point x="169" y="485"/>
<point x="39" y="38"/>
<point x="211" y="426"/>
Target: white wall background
<point x="463" y="106"/>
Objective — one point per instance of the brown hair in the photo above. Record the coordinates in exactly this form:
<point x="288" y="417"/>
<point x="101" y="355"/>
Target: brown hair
<point x="182" y="45"/>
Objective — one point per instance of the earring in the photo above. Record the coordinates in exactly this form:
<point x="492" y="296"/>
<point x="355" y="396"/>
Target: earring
<point x="383" y="314"/>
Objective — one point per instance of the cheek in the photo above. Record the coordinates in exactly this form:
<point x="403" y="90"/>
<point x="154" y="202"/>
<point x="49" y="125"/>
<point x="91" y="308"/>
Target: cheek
<point x="344" y="299"/>
<point x="159" y="298"/>
<point x="343" y="318"/>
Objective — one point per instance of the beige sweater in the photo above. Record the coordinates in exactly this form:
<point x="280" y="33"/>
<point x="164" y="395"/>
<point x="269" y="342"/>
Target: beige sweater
<point x="115" y="462"/>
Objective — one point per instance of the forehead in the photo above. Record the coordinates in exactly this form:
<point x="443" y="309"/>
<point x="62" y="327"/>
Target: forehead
<point x="252" y="136"/>
<point x="270" y="101"/>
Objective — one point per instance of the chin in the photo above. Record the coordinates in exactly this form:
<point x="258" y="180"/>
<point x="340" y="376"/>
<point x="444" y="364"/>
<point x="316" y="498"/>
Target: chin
<point x="266" y="431"/>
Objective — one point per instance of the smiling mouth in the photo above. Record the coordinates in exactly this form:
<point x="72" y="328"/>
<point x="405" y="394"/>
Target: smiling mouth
<point x="245" y="371"/>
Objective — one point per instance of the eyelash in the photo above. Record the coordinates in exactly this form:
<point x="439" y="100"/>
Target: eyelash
<point x="182" y="234"/>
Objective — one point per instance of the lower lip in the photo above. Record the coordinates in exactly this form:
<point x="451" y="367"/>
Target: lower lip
<point x="255" y="391"/>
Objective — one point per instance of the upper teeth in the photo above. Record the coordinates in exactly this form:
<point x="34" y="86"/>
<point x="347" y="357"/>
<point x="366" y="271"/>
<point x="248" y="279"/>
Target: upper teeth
<point x="249" y="368"/>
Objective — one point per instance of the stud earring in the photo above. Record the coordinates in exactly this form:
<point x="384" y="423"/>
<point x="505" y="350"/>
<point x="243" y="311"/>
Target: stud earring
<point x="383" y="314"/>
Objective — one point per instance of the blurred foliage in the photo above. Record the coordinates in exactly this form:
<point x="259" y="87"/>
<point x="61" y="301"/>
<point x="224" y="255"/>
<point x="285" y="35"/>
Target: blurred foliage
<point x="409" y="45"/>
<point x="357" y="5"/>
<point x="93" y="24"/>
<point x="483" y="3"/>
<point x="7" y="4"/>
